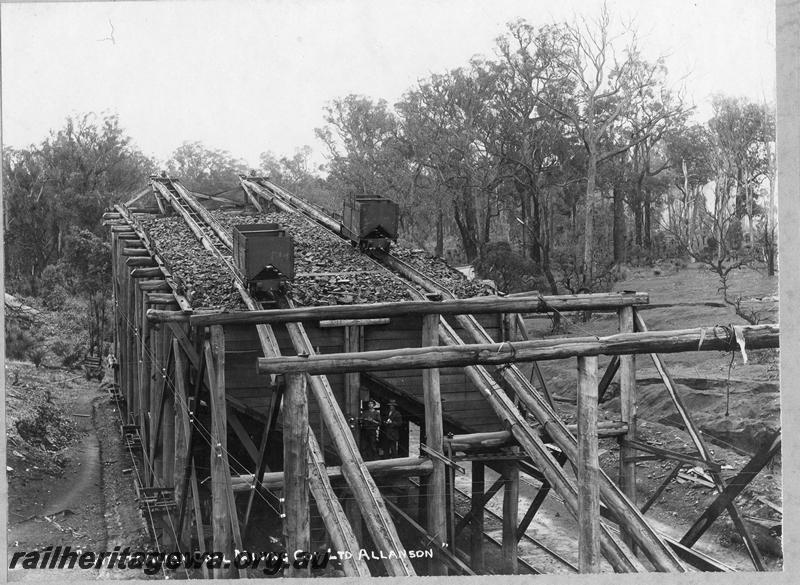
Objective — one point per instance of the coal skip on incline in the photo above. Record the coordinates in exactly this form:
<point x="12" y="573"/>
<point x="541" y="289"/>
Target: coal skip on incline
<point x="328" y="270"/>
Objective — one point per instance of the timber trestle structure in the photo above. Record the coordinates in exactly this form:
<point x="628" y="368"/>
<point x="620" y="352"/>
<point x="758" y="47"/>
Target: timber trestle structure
<point x="217" y="410"/>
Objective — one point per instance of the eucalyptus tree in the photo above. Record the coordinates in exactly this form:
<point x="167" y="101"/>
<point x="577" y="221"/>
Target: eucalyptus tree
<point x="62" y="186"/>
<point x="690" y="172"/>
<point x="740" y="135"/>
<point x="446" y="124"/>
<point x="612" y="81"/>
<point x="366" y="157"/>
<point x="205" y="170"/>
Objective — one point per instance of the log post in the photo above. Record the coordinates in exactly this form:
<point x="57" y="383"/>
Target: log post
<point x="143" y="380"/>
<point x="152" y="351"/>
<point x="120" y="343"/>
<point x="352" y="410"/>
<point x="181" y="428"/>
<point x="436" y="490"/>
<point x="476" y="543"/>
<point x="221" y="522"/>
<point x="168" y="444"/>
<point x="510" y="517"/>
<point x="296" y="525"/>
<point x="627" y="400"/>
<point x="588" y="471"/>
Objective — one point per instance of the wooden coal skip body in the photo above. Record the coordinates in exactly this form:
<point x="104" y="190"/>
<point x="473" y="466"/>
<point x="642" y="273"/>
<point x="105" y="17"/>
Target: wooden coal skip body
<point x="700" y="339"/>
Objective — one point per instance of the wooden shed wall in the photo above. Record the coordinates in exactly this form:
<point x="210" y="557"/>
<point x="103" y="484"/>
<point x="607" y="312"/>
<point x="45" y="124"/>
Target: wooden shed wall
<point x="461" y="399"/>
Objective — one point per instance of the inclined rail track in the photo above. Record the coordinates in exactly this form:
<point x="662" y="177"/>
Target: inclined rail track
<point x="214" y="239"/>
<point x="416" y="282"/>
<point x="211" y="235"/>
<point x="419" y="285"/>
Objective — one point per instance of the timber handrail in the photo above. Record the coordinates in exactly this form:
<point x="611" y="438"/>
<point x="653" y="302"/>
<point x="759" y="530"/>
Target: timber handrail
<point x="700" y="339"/>
<point x="476" y="305"/>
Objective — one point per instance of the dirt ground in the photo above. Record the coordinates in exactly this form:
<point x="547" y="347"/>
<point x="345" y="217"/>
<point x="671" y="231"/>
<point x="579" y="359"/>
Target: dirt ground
<point x="69" y="490"/>
<point x="735" y="405"/>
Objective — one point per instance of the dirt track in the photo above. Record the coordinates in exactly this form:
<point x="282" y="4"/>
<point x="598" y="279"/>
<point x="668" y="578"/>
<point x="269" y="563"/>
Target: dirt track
<point x="87" y="505"/>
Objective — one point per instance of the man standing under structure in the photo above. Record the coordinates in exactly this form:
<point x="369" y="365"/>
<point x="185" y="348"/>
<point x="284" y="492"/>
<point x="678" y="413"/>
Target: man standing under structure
<point x="391" y="429"/>
<point x="370" y="420"/>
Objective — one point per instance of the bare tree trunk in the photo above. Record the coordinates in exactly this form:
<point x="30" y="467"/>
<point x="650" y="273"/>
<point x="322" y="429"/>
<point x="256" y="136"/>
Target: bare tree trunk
<point x="439" y="251"/>
<point x="466" y="221"/>
<point x="588" y="243"/>
<point x="536" y="227"/>
<point x="647" y="240"/>
<point x="619" y="226"/>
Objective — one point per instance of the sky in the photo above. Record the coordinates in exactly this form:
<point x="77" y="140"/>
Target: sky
<point x="254" y="76"/>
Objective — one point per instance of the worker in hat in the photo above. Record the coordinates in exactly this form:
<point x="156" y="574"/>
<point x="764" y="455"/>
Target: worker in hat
<point x="391" y="429"/>
<point x="370" y="420"/>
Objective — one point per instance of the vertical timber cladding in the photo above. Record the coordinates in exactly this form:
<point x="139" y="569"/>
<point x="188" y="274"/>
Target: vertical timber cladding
<point x="461" y="400"/>
<point x="245" y="385"/>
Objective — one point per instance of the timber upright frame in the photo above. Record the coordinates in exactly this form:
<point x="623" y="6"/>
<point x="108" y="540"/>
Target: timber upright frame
<point x="586" y="505"/>
<point x="172" y="376"/>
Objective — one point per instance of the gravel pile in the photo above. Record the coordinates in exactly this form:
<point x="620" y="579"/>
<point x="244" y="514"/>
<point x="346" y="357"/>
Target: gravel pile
<point x="435" y="267"/>
<point x="201" y="277"/>
<point x="328" y="270"/>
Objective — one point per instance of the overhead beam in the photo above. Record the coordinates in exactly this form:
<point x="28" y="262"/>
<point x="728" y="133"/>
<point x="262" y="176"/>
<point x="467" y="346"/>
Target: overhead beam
<point x="476" y="305"/>
<point x="494" y="439"/>
<point x="409" y="466"/>
<point x="699" y="339"/>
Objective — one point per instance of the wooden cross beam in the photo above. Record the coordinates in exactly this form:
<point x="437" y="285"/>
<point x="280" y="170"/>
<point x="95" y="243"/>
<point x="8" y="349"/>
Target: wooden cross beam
<point x="733" y="489"/>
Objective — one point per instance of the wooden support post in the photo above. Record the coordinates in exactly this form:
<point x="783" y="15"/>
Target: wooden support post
<point x="436" y="490"/>
<point x="477" y="504"/>
<point x="151" y="348"/>
<point x="618" y="555"/>
<point x="220" y="473"/>
<point x="588" y="468"/>
<point x="131" y="328"/>
<point x="143" y="381"/>
<point x="296" y="525"/>
<point x="181" y="429"/>
<point x="198" y="514"/>
<point x="627" y="400"/>
<point x="168" y="443"/>
<point x="510" y="517"/>
<point x="353" y="336"/>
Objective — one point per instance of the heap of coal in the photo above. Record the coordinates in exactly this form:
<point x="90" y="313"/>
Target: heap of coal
<point x="328" y="270"/>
